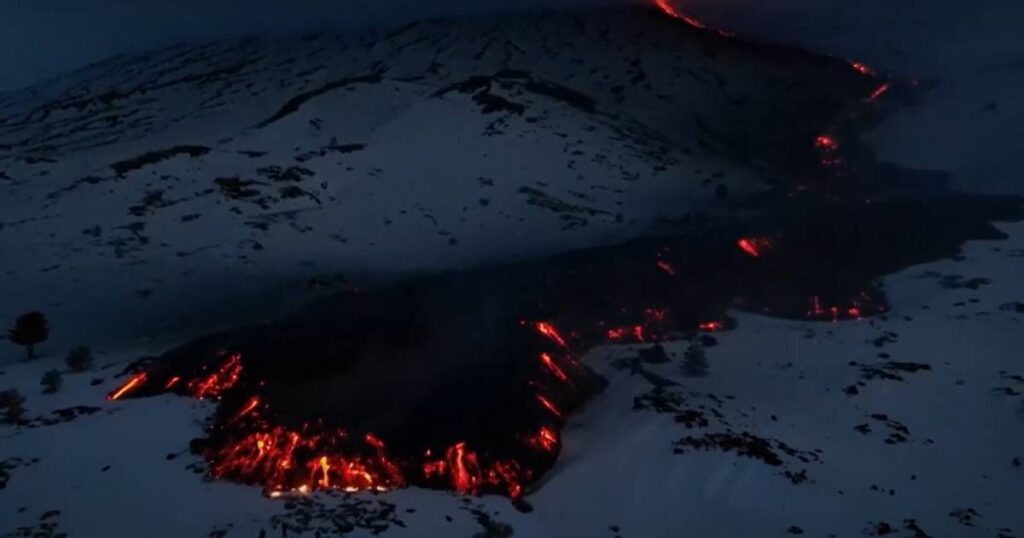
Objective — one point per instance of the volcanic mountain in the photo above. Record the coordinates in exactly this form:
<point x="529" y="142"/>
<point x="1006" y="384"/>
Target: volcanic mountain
<point x="644" y="144"/>
<point x="266" y="168"/>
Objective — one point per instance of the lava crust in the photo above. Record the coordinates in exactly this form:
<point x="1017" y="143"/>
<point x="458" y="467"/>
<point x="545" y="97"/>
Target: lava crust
<point x="463" y="380"/>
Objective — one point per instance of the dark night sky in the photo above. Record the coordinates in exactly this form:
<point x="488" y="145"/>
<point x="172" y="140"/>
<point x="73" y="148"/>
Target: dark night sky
<point x="42" y="38"/>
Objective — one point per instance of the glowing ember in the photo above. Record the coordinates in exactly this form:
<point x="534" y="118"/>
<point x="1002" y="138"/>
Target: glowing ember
<point x="134" y="383"/>
<point x="711" y="326"/>
<point x="828" y="148"/>
<point x="464" y="468"/>
<point x="551" y="333"/>
<point x="862" y="68"/>
<point x="635" y="332"/>
<point x="879" y="91"/>
<point x="466" y="474"/>
<point x="826" y="142"/>
<point x="546" y="439"/>
<point x="755" y="246"/>
<point x="655" y="314"/>
<point x="618" y="333"/>
<point x="853" y="311"/>
<point x="671" y="11"/>
<point x="249" y="406"/>
<point x="216" y="383"/>
<point x="549" y="363"/>
<point x="549" y="406"/>
<point x="666" y="267"/>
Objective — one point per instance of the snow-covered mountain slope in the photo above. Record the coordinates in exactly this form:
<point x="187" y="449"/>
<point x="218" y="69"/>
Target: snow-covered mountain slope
<point x="905" y="425"/>
<point x="242" y="171"/>
<point x="901" y="425"/>
<point x="971" y="122"/>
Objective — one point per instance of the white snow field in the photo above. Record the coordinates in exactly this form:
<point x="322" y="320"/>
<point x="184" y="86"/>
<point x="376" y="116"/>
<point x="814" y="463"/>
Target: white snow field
<point x="252" y="171"/>
<point x="920" y="450"/>
<point x="971" y="124"/>
<point x="911" y="424"/>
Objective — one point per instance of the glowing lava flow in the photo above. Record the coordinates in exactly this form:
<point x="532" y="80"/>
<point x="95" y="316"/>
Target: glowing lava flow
<point x="288" y="461"/>
<point x="219" y="381"/>
<point x="755" y="246"/>
<point x="671" y="11"/>
<point x="550" y="406"/>
<point x="285" y="460"/>
<point x="464" y="468"/>
<point x="132" y="384"/>
<point x="549" y="363"/>
<point x="825" y="142"/>
<point x="546" y="439"/>
<point x="711" y="326"/>
<point x="551" y="333"/>
<point x="249" y="406"/>
<point x="861" y="68"/>
<point x="828" y="149"/>
<point x="248" y="446"/>
<point x="857" y="307"/>
<point x="879" y="91"/>
<point x="212" y="385"/>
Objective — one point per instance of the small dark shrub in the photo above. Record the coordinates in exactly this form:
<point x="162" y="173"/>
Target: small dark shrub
<point x="12" y="405"/>
<point x="79" y="359"/>
<point x="51" y="381"/>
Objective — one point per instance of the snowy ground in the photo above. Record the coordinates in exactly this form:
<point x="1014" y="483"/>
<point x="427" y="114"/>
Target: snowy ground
<point x="109" y="473"/>
<point x="971" y="124"/>
<point x="302" y="164"/>
<point x="949" y="442"/>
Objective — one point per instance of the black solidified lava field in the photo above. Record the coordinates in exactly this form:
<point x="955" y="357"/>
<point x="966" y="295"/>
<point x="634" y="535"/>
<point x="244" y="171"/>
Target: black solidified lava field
<point x="463" y="379"/>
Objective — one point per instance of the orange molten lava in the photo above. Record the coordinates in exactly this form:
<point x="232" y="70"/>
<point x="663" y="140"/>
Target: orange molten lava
<point x="555" y="370"/>
<point x="826" y="142"/>
<point x="134" y="383"/>
<point x="855" y="309"/>
<point x="299" y="461"/>
<point x="466" y="474"/>
<point x="827" y="149"/>
<point x="749" y="247"/>
<point x="464" y="468"/>
<point x="666" y="267"/>
<point x="249" y="406"/>
<point x="276" y="457"/>
<point x="618" y="333"/>
<point x="711" y="326"/>
<point x="551" y="333"/>
<point x="216" y="383"/>
<point x="862" y="68"/>
<point x="754" y="246"/>
<point x="547" y="439"/>
<point x="671" y="11"/>
<point x="879" y="91"/>
<point x="549" y="406"/>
